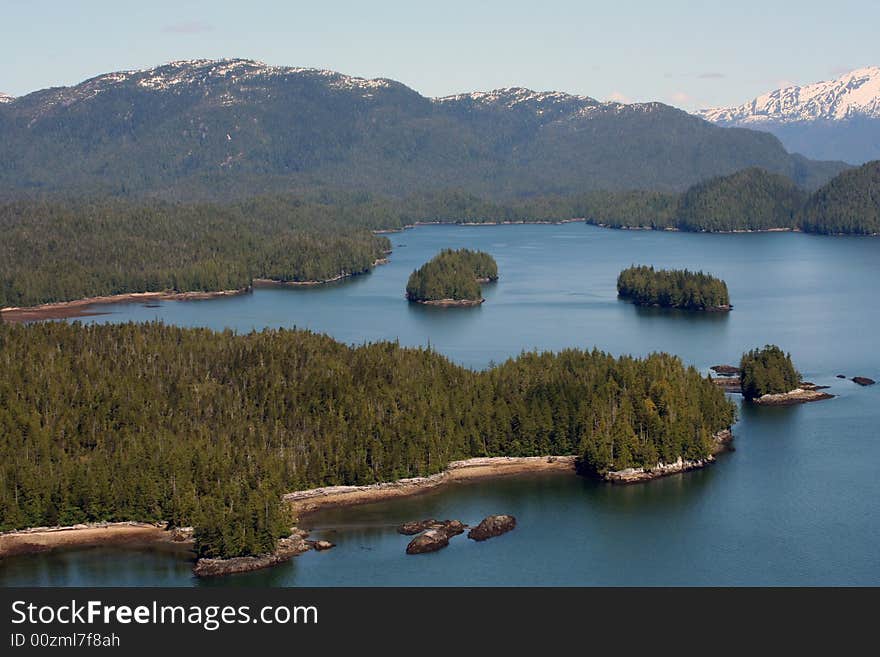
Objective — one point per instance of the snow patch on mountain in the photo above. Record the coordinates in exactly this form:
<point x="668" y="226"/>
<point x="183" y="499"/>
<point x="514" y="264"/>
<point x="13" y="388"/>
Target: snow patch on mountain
<point x="5" y="98"/>
<point x="854" y="94"/>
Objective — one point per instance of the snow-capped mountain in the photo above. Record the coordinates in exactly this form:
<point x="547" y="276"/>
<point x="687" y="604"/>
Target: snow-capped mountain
<point x="6" y="98"/>
<point x="834" y="119"/>
<point x="181" y="127"/>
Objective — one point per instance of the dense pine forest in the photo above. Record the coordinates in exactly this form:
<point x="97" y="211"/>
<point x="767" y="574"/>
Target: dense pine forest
<point x="64" y="250"/>
<point x="152" y="422"/>
<point x="452" y="275"/>
<point x="767" y="371"/>
<point x="677" y="288"/>
<point x="849" y="204"/>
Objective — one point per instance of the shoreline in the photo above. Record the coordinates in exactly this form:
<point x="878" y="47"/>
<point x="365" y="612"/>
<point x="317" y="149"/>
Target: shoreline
<point x="676" y="229"/>
<point x="792" y="397"/>
<point x="536" y="222"/>
<point x="723" y="440"/>
<point x="272" y="282"/>
<point x="46" y="539"/>
<point x="311" y="500"/>
<point x="81" y="307"/>
<point x="448" y="303"/>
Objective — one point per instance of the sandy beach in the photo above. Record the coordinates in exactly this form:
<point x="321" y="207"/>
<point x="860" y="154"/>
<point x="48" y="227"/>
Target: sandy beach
<point x="43" y="539"/>
<point x="84" y="307"/>
<point x="307" y="501"/>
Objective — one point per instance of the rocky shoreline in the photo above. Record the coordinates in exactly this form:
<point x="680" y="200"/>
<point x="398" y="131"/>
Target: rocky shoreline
<point x="82" y="307"/>
<point x="288" y="547"/>
<point x="449" y="303"/>
<point x="796" y="396"/>
<point x="723" y="440"/>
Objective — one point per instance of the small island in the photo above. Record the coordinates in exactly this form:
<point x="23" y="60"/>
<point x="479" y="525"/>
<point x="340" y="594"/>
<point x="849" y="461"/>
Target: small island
<point x="676" y="288"/>
<point x="769" y="378"/>
<point x="452" y="278"/>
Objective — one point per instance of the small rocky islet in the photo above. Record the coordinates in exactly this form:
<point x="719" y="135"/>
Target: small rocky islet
<point x="433" y="535"/>
<point x="767" y="377"/>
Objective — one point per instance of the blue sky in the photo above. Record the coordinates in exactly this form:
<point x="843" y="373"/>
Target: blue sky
<point x="687" y="54"/>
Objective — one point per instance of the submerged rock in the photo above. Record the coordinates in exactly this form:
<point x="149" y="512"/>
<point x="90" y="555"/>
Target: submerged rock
<point x="492" y="526"/>
<point x="863" y="381"/>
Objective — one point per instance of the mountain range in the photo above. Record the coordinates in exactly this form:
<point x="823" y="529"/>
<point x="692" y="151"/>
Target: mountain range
<point x="236" y="127"/>
<point x="837" y="119"/>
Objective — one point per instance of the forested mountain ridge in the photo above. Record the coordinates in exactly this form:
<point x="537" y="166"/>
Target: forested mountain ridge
<point x="151" y="422"/>
<point x="235" y="128"/>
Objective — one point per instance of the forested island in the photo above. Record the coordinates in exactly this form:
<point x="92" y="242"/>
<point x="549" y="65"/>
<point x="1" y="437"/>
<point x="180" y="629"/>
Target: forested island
<point x="768" y="377"/>
<point x="150" y="422"/>
<point x="676" y="288"/>
<point x="452" y="278"/>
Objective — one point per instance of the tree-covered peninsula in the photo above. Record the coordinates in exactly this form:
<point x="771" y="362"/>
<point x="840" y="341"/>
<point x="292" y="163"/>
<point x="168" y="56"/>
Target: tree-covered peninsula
<point x="62" y="250"/>
<point x="767" y="371"/>
<point x="157" y="423"/>
<point x="452" y="277"/>
<point x="676" y="288"/>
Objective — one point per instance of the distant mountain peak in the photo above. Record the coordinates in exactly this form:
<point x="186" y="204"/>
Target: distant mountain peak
<point x="853" y="94"/>
<point x="5" y="98"/>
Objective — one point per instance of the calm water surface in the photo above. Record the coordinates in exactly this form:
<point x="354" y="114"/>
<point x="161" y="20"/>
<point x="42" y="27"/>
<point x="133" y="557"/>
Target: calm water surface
<point x="794" y="504"/>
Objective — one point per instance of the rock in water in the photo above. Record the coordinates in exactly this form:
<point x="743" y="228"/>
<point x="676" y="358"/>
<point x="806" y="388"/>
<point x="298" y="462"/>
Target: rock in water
<point x="429" y="541"/>
<point x="451" y="527"/>
<point x="320" y="546"/>
<point x="863" y="381"/>
<point x="416" y="526"/>
<point x="725" y="370"/>
<point x="841" y="376"/>
<point x="492" y="526"/>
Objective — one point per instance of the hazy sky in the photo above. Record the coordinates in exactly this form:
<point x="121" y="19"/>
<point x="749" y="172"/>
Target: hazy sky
<point x="689" y="54"/>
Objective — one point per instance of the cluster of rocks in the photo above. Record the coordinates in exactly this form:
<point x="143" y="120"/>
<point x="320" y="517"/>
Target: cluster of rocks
<point x="433" y="535"/>
<point x="861" y="380"/>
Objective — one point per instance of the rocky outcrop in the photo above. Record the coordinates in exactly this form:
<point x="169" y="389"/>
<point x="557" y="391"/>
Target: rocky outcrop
<point x="429" y="541"/>
<point x="841" y="376"/>
<point x="451" y="527"/>
<point x="287" y="548"/>
<point x="796" y="396"/>
<point x="728" y="383"/>
<point x="492" y="526"/>
<point x="182" y="534"/>
<point x="416" y="526"/>
<point x="637" y="475"/>
<point x="721" y="442"/>
<point x="863" y="381"/>
<point x="435" y="534"/>
<point x="726" y="370"/>
<point x="320" y="546"/>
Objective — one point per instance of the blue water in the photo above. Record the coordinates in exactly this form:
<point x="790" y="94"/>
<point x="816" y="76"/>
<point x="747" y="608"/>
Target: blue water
<point x="794" y="504"/>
